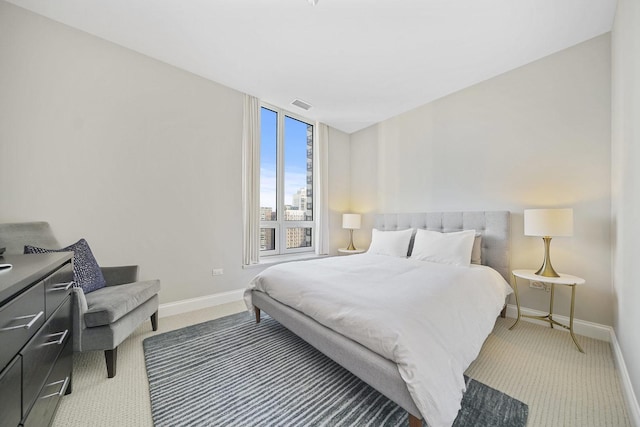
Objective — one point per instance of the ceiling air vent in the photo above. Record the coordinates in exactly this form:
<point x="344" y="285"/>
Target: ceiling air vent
<point x="301" y="104"/>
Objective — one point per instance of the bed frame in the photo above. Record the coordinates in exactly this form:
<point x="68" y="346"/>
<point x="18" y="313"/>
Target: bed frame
<point x="377" y="371"/>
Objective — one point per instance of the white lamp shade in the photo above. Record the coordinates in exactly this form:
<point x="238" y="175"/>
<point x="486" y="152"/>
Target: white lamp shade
<point x="548" y="222"/>
<point x="351" y="221"/>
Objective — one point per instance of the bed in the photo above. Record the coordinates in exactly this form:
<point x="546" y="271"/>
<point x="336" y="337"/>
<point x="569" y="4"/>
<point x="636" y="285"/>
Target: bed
<point x="374" y="365"/>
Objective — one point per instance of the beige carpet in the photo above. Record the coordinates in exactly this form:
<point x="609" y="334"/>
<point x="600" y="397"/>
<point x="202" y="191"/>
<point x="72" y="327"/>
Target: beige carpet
<point x="534" y="364"/>
<point x="543" y="368"/>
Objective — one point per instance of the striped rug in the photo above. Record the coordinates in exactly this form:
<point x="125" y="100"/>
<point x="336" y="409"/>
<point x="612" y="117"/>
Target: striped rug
<point x="233" y="372"/>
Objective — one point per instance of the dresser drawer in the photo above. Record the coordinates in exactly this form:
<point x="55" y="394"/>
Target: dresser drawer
<point x="10" y="412"/>
<point x="19" y="320"/>
<point x="40" y="354"/>
<point x="56" y="288"/>
<point x="55" y="386"/>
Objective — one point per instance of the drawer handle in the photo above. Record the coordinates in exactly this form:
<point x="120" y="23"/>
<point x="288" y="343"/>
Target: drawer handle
<point x="62" y="286"/>
<point x="26" y="325"/>
<point x="59" y="341"/>
<point x="60" y="392"/>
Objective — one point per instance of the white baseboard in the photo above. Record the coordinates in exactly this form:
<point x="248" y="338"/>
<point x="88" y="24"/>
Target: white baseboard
<point x="192" y="304"/>
<point x="625" y="381"/>
<point x="580" y="327"/>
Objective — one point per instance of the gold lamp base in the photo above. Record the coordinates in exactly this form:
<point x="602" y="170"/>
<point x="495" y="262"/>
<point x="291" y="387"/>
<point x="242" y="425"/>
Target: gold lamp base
<point x="546" y="270"/>
<point x="351" y="247"/>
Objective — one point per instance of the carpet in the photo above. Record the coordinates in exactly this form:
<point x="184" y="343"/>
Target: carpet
<point x="234" y="372"/>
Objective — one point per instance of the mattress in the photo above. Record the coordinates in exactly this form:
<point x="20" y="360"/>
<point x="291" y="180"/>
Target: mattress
<point x="430" y="319"/>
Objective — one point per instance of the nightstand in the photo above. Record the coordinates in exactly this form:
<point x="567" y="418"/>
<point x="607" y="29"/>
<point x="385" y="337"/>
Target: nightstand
<point x="564" y="279"/>
<point x="351" y="252"/>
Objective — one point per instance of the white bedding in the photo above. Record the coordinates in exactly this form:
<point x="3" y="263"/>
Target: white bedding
<point x="431" y="319"/>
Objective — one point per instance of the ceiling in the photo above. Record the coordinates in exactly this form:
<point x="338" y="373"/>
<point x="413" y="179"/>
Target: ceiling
<point x="356" y="62"/>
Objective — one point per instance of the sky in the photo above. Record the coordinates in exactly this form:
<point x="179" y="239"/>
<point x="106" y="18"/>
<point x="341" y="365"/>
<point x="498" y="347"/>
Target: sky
<point x="295" y="136"/>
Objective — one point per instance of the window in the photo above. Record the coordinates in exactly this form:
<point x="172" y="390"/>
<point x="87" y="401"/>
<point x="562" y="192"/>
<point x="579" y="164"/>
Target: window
<point x="286" y="183"/>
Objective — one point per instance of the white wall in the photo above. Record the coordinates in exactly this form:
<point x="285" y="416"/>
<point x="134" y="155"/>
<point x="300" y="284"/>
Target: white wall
<point x="626" y="183"/>
<point x="140" y="158"/>
<point x="538" y="136"/>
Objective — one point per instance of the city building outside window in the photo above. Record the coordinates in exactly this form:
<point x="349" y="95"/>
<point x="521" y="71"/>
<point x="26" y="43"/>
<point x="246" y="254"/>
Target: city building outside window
<point x="286" y="183"/>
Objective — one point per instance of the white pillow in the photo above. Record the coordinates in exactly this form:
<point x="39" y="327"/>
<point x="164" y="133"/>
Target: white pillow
<point x="392" y="243"/>
<point x="446" y="248"/>
<point x="476" y="252"/>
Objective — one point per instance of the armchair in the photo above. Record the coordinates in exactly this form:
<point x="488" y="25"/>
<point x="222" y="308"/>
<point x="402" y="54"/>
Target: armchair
<point x="104" y="318"/>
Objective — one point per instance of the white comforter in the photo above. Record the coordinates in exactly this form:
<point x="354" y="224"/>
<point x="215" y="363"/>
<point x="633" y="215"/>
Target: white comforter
<point x="431" y="319"/>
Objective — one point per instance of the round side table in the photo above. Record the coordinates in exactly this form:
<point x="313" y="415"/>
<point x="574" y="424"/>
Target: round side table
<point x="564" y="279"/>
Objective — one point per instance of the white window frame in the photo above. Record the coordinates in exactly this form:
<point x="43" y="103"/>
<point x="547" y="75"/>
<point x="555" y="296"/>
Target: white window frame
<point x="280" y="224"/>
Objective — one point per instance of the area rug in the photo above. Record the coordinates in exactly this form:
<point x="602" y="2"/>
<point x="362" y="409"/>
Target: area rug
<point x="234" y="372"/>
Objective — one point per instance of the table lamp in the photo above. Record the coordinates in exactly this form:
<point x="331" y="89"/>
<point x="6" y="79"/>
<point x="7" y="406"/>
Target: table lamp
<point x="548" y="223"/>
<point x="351" y="222"/>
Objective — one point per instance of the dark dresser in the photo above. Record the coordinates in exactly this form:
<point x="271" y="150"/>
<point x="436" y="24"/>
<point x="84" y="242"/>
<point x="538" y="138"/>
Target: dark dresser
<point x="35" y="337"/>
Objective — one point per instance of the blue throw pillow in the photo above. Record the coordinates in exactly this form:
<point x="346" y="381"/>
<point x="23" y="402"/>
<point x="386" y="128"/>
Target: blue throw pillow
<point x="86" y="272"/>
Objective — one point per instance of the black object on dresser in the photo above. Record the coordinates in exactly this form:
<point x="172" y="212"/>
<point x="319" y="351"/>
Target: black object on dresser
<point x="35" y="337"/>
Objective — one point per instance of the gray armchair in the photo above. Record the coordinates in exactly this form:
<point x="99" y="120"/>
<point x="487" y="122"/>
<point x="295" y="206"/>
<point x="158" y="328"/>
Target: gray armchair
<point x="105" y="317"/>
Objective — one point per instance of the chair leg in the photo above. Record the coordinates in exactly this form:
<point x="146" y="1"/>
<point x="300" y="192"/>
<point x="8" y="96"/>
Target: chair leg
<point x="154" y="321"/>
<point x="111" y="357"/>
<point x="70" y="383"/>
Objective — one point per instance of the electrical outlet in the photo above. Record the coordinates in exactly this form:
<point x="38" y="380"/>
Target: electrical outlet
<point x="537" y="285"/>
<point x="217" y="272"/>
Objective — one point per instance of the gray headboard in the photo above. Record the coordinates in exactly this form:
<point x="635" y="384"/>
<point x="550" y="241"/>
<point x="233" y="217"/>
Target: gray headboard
<point x="495" y="227"/>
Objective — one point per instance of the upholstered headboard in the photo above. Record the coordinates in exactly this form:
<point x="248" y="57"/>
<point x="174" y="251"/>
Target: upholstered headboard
<point x="495" y="227"/>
